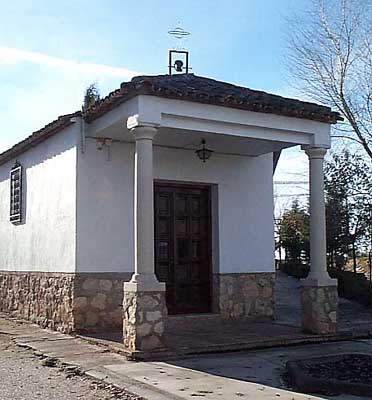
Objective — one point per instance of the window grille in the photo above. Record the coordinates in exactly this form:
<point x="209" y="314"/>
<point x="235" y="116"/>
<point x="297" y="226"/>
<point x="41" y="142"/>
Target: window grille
<point x="16" y="194"/>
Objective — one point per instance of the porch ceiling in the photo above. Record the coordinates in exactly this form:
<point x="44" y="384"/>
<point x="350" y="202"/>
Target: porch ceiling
<point x="182" y="124"/>
<point x="219" y="143"/>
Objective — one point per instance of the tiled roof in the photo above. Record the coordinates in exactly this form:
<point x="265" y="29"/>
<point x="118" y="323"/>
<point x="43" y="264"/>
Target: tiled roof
<point x="209" y="91"/>
<point x="36" y="137"/>
<point x="184" y="87"/>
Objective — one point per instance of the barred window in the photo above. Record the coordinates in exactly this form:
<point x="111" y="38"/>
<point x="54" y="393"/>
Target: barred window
<point x="16" y="194"/>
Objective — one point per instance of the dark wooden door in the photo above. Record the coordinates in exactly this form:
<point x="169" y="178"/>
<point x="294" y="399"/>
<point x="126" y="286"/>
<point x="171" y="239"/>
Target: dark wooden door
<point x="183" y="246"/>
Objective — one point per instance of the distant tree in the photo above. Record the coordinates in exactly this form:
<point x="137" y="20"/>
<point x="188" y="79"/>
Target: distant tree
<point x="91" y="96"/>
<point x="337" y="223"/>
<point x="331" y="61"/>
<point x="348" y="186"/>
<point x="294" y="234"/>
<point x="348" y="195"/>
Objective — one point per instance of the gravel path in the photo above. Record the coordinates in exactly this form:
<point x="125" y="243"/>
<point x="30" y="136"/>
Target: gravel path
<point x="23" y="376"/>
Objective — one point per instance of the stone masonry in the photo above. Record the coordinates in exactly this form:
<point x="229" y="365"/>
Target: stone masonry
<point x="43" y="298"/>
<point x="98" y="301"/>
<point x="243" y="295"/>
<point x="319" y="309"/>
<point x="93" y="302"/>
<point x="65" y="302"/>
<point x="145" y="315"/>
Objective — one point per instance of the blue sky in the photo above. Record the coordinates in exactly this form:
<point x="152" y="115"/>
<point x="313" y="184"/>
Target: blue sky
<point x="50" y="51"/>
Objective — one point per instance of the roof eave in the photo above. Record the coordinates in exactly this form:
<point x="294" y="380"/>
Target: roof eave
<point x="39" y="136"/>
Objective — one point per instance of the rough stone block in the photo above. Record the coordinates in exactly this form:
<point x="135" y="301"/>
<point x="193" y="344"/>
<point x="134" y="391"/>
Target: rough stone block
<point x="91" y="284"/>
<point x="99" y="301"/>
<point x="105" y="285"/>
<point x="144" y="321"/>
<point x="319" y="309"/>
<point x="245" y="295"/>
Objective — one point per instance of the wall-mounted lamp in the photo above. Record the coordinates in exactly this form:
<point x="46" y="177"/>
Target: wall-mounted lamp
<point x="204" y="153"/>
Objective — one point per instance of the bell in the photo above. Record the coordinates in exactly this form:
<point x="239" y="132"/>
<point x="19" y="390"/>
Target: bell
<point x="178" y="65"/>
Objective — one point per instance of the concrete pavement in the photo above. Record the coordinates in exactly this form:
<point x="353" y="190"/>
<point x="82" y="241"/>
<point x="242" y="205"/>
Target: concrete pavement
<point x="251" y="375"/>
<point x="247" y="375"/>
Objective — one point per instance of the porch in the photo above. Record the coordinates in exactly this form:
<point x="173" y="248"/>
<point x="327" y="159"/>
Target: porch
<point x="228" y="267"/>
<point x="208" y="333"/>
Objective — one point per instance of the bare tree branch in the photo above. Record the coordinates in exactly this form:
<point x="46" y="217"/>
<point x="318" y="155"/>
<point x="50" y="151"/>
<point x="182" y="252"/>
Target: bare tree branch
<point x="347" y="137"/>
<point x="331" y="61"/>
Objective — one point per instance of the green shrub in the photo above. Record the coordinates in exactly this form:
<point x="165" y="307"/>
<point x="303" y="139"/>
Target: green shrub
<point x="299" y="271"/>
<point x="353" y="286"/>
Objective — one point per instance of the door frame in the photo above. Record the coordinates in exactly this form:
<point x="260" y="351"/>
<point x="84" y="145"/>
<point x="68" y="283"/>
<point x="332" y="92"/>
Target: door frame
<point x="195" y="185"/>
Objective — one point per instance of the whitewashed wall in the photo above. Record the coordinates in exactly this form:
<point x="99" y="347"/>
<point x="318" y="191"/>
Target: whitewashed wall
<point x="45" y="241"/>
<point x="105" y="206"/>
<point x="105" y="209"/>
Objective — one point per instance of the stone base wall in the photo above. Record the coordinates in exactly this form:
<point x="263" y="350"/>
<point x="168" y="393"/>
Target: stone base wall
<point x="93" y="302"/>
<point x="65" y="302"/>
<point x="98" y="301"/>
<point x="43" y="298"/>
<point x="144" y="322"/>
<point x="319" y="309"/>
<point x="244" y="295"/>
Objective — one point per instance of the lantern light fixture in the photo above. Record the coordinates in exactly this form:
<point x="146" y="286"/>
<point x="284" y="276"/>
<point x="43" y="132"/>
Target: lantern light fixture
<point x="204" y="153"/>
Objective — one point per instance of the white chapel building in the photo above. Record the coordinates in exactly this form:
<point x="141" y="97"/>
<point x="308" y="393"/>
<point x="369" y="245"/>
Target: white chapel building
<point x="157" y="201"/>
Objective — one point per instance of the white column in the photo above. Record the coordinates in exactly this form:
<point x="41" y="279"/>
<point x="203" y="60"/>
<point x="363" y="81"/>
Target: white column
<point x="318" y="250"/>
<point x="144" y="260"/>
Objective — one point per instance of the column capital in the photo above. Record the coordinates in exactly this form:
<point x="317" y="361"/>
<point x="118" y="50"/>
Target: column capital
<point x="144" y="132"/>
<point x="316" y="152"/>
<point x="135" y="123"/>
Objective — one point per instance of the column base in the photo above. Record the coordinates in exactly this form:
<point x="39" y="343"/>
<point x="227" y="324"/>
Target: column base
<point x="319" y="307"/>
<point x="145" y="315"/>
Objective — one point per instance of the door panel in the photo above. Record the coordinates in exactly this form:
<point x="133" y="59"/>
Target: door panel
<point x="182" y="246"/>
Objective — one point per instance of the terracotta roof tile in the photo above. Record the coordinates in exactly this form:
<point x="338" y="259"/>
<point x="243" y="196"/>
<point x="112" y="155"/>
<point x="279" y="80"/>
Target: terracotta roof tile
<point x="205" y="90"/>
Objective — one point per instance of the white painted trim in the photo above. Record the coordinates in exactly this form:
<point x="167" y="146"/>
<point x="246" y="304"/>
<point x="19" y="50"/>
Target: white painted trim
<point x="157" y="110"/>
<point x="234" y="129"/>
<point x="144" y="110"/>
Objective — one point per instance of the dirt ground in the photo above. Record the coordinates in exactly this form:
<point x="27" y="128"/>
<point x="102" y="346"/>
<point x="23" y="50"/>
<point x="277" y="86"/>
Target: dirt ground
<point x="23" y="376"/>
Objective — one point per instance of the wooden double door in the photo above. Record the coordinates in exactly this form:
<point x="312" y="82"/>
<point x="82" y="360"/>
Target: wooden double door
<point x="183" y="246"/>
